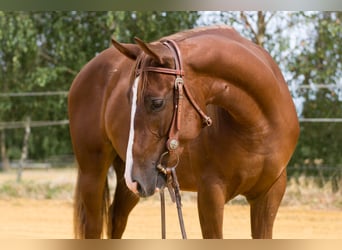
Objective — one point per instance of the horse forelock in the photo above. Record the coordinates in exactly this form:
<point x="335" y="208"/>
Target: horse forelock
<point x="143" y="78"/>
<point x="142" y="62"/>
<point x="135" y="73"/>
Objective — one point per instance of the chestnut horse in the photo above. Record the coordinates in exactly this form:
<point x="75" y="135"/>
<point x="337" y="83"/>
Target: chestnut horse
<point x="145" y="104"/>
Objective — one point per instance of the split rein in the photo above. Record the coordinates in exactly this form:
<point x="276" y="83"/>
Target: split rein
<point x="173" y="139"/>
<point x="173" y="187"/>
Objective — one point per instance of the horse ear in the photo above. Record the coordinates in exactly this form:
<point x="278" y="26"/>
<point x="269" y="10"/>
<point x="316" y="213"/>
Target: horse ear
<point x="149" y="49"/>
<point x="130" y="50"/>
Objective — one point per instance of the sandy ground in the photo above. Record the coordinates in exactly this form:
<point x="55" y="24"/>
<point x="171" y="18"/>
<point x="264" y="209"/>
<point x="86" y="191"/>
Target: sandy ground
<point x="52" y="219"/>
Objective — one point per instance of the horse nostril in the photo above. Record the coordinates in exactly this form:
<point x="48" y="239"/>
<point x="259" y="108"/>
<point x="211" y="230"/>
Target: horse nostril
<point x="139" y="189"/>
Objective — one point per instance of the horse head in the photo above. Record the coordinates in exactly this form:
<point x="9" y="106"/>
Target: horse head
<point x="164" y="115"/>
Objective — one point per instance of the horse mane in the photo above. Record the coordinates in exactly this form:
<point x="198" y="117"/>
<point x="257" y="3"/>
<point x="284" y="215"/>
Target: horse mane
<point x="141" y="61"/>
<point x="182" y="35"/>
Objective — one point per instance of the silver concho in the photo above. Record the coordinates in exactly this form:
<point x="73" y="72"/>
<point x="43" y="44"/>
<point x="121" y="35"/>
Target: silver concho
<point x="173" y="145"/>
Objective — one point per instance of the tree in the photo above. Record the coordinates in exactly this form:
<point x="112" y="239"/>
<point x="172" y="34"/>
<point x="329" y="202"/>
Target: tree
<point x="319" y="60"/>
<point x="265" y="28"/>
<point x="306" y="47"/>
<point x="43" y="51"/>
<point x="150" y="25"/>
<point x="320" y="63"/>
<point x="17" y="43"/>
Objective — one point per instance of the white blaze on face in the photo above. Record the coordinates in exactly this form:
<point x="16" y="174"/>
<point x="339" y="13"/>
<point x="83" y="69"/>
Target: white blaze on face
<point x="129" y="154"/>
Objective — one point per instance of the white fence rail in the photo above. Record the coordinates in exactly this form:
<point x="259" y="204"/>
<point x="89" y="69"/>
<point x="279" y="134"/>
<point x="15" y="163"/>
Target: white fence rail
<point x="21" y="124"/>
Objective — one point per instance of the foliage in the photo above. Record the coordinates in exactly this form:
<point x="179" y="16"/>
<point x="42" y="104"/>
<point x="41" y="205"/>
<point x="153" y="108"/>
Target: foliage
<point x="320" y="57"/>
<point x="319" y="62"/>
<point x="43" y="51"/>
<point x="320" y="142"/>
<point x="265" y="28"/>
<point x="306" y="46"/>
<point x="18" y="50"/>
<point x="151" y="25"/>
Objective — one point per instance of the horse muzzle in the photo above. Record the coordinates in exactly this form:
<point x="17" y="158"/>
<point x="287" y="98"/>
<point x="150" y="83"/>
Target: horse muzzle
<point x="145" y="181"/>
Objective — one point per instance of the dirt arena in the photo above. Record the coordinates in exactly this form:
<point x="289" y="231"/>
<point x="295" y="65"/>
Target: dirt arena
<point x="52" y="219"/>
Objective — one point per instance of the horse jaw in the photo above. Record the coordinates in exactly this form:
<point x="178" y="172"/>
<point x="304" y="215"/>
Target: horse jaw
<point x="129" y="153"/>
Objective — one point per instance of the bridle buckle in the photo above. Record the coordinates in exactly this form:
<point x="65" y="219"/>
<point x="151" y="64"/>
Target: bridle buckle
<point x="179" y="81"/>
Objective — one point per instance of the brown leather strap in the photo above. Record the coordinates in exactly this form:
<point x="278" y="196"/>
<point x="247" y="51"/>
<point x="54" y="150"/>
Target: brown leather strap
<point x="206" y="119"/>
<point x="162" y="213"/>
<point x="178" y="202"/>
<point x="173" y="142"/>
<point x="180" y="88"/>
<point x="172" y="45"/>
<point x="164" y="70"/>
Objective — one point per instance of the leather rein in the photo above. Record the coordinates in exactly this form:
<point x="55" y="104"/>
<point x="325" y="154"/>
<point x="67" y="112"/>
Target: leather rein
<point x="181" y="91"/>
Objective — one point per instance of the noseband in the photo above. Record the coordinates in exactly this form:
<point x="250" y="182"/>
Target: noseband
<point x="181" y="91"/>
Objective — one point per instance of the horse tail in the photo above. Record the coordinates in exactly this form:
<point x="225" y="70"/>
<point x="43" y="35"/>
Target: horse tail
<point x="106" y="207"/>
<point x="79" y="210"/>
<point x="79" y="214"/>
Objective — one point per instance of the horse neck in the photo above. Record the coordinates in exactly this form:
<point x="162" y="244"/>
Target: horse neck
<point x="249" y="89"/>
<point x="242" y="107"/>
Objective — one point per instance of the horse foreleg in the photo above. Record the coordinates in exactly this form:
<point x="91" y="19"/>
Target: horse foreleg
<point x="89" y="205"/>
<point x="265" y="207"/>
<point x="211" y="199"/>
<point x="123" y="203"/>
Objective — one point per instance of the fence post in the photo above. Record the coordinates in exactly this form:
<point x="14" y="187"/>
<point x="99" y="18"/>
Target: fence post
<point x="24" y="150"/>
<point x="5" y="162"/>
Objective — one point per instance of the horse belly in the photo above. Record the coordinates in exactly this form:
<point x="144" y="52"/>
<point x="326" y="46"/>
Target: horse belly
<point x="240" y="169"/>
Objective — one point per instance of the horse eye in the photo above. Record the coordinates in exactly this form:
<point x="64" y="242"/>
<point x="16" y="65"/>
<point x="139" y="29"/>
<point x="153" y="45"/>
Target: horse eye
<point x="157" y="104"/>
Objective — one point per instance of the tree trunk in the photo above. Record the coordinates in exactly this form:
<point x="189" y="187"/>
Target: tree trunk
<point x="257" y="25"/>
<point x="260" y="35"/>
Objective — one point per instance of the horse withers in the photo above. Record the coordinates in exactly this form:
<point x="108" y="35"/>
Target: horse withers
<point x="208" y="99"/>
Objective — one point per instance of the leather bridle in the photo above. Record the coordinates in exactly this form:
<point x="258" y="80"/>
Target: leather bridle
<point x="181" y="91"/>
<point x="172" y="143"/>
